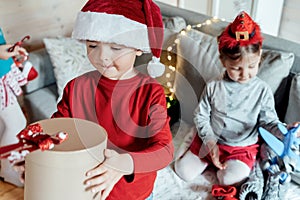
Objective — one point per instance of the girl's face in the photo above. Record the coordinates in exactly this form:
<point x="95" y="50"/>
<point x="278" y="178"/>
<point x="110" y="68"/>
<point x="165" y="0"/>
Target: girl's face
<point x="111" y="60"/>
<point x="242" y="70"/>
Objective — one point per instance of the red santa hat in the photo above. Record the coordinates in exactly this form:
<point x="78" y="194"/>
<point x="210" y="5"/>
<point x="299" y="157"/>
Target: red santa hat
<point x="133" y="23"/>
<point x="242" y="31"/>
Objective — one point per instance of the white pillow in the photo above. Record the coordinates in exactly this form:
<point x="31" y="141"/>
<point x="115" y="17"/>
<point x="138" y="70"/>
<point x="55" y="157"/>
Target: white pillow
<point x="69" y="58"/>
<point x="293" y="109"/>
<point x="198" y="62"/>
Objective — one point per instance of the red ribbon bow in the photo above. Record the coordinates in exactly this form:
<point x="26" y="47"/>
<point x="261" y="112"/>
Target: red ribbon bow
<point x="31" y="139"/>
<point x="224" y="192"/>
<point x="18" y="60"/>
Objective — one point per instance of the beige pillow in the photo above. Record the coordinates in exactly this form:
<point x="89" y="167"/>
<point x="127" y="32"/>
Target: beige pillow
<point x="198" y="62"/>
<point x="69" y="59"/>
<point x="293" y="109"/>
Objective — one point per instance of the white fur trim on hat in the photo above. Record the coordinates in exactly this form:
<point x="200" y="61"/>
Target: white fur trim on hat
<point x="155" y="68"/>
<point x="111" y="28"/>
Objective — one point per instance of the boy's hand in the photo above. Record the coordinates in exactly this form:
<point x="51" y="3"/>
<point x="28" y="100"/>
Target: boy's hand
<point x="4" y="54"/>
<point x="214" y="154"/>
<point x="19" y="166"/>
<point x="103" y="178"/>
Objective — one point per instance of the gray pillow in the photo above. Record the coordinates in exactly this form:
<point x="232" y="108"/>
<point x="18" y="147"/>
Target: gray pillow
<point x="293" y="110"/>
<point x="41" y="62"/>
<point x="275" y="66"/>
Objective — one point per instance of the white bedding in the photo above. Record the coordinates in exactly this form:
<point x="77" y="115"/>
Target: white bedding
<point x="169" y="186"/>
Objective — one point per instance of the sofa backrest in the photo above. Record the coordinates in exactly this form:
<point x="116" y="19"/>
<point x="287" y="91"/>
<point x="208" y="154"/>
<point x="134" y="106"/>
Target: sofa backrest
<point x="214" y="29"/>
<point x="270" y="42"/>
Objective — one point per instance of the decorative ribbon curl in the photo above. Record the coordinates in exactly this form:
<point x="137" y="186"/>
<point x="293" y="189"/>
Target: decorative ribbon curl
<point x="19" y="60"/>
<point x="31" y="139"/>
<point x="224" y="192"/>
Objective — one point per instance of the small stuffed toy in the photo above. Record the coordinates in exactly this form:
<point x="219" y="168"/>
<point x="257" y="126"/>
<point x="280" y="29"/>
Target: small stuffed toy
<point x="15" y="72"/>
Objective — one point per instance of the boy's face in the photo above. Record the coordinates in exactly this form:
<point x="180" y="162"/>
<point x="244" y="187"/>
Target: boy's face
<point x="244" y="69"/>
<point x="111" y="60"/>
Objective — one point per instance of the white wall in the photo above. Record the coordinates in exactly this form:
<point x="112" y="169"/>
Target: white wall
<point x="276" y="17"/>
<point x="171" y="2"/>
<point x="290" y="21"/>
<point x="201" y="6"/>
<point x="229" y="9"/>
<point x="267" y="13"/>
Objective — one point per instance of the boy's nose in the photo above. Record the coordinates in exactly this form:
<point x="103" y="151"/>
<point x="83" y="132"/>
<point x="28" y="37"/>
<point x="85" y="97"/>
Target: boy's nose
<point x="103" y="52"/>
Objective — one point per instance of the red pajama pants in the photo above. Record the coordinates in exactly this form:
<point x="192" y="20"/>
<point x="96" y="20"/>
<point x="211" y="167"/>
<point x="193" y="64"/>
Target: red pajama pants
<point x="246" y="154"/>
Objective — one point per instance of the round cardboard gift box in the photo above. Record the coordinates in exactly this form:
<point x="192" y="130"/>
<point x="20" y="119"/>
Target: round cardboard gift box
<point x="59" y="173"/>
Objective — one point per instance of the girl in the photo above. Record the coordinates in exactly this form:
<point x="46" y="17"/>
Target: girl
<point x="231" y="109"/>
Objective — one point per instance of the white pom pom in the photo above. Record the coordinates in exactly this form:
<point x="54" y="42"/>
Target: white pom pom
<point x="155" y="68"/>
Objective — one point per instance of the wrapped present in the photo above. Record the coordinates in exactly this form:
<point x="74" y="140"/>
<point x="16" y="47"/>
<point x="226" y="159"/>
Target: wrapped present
<point x="59" y="173"/>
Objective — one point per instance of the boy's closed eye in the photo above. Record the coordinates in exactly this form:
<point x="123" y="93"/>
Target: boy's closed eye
<point x="92" y="46"/>
<point x="116" y="48"/>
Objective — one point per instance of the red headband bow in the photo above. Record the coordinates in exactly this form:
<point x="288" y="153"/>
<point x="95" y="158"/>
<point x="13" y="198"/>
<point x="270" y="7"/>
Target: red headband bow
<point x="242" y="31"/>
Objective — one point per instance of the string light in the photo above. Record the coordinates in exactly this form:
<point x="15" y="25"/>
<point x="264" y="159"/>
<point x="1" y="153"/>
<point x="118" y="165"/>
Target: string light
<point x="171" y="49"/>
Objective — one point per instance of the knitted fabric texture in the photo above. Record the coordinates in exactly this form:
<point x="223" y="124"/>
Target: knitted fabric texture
<point x="253" y="187"/>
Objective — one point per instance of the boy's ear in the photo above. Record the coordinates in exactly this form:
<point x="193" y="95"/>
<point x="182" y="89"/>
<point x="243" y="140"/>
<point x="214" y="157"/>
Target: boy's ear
<point x="139" y="52"/>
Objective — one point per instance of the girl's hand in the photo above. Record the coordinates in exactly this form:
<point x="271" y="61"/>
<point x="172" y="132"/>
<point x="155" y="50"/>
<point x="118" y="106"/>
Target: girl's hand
<point x="293" y="125"/>
<point x="4" y="54"/>
<point x="103" y="178"/>
<point x="214" y="154"/>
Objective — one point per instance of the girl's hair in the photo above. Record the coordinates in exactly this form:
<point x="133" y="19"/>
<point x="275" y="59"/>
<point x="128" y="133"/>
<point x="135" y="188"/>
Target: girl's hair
<point x="238" y="51"/>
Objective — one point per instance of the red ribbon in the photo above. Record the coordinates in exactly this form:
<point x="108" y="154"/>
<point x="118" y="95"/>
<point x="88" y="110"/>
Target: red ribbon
<point x="224" y="192"/>
<point x="30" y="139"/>
<point x="18" y="60"/>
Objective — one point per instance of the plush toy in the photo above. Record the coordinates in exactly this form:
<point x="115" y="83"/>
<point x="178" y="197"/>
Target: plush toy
<point x="15" y="72"/>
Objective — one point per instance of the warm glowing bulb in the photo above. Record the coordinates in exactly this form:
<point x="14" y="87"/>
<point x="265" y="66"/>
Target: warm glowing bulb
<point x="168" y="75"/>
<point x="172" y="68"/>
<point x="171" y="90"/>
<point x="169" y="84"/>
<point x="189" y="27"/>
<point x="169" y="48"/>
<point x="208" y="22"/>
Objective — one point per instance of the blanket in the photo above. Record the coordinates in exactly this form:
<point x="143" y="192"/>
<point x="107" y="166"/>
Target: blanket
<point x="169" y="186"/>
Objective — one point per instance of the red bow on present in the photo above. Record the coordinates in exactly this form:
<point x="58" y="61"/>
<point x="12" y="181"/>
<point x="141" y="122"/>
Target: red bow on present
<point x="224" y="192"/>
<point x="30" y="139"/>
